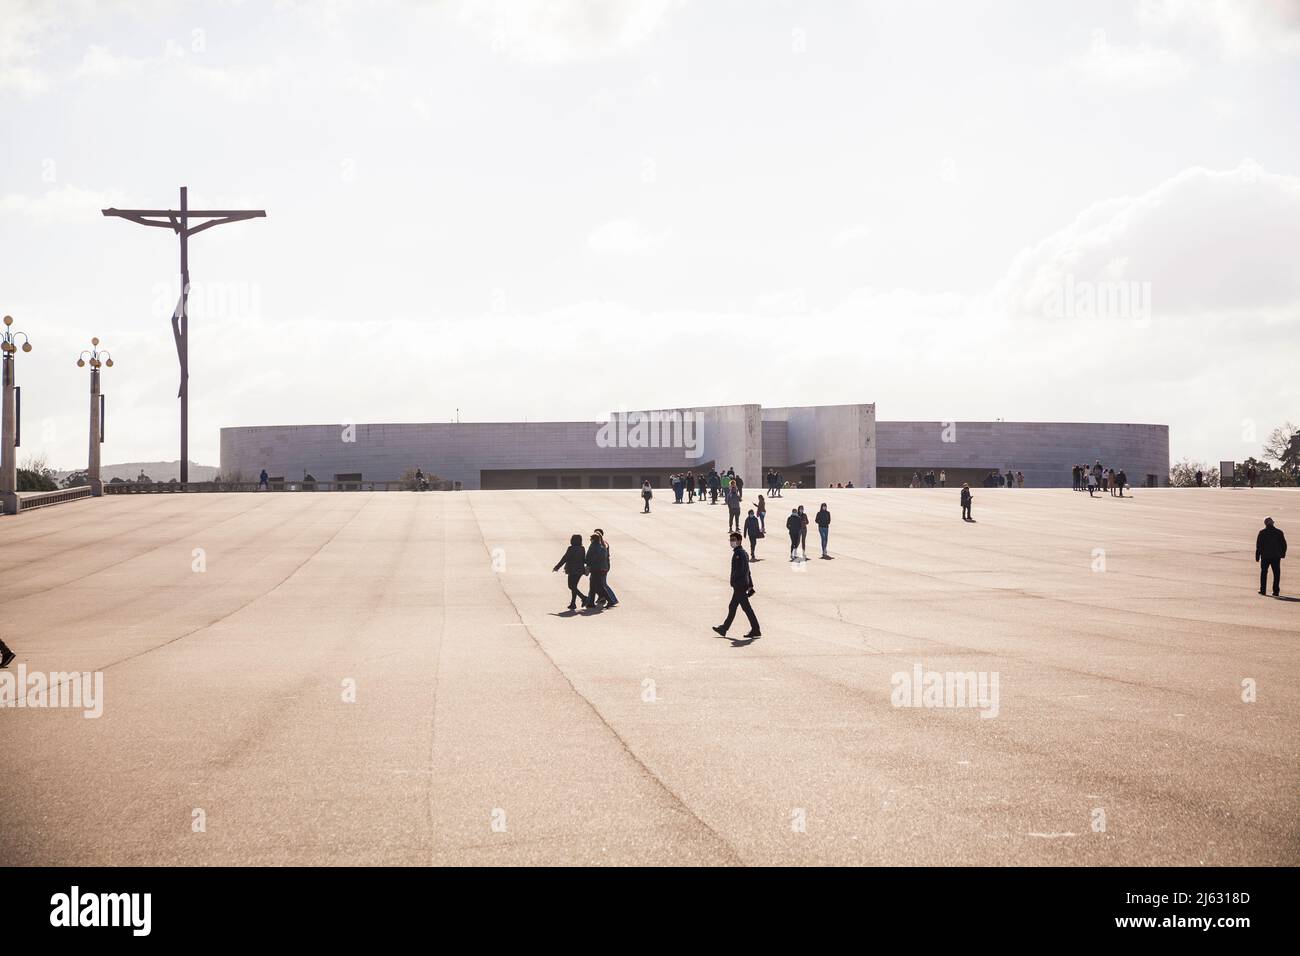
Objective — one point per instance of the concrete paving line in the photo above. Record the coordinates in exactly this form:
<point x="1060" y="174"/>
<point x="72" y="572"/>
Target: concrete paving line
<point x="973" y="651"/>
<point x="1057" y="599"/>
<point x="132" y="557"/>
<point x="126" y="599"/>
<point x="1018" y="746"/>
<point x="1047" y="597"/>
<point x="1021" y="526"/>
<point x="436" y="695"/>
<point x="109" y="532"/>
<point x="649" y="774"/>
<point x="1151" y="520"/>
<point x="221" y="617"/>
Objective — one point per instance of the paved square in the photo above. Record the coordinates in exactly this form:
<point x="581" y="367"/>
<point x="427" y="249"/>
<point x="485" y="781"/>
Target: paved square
<point x="489" y="727"/>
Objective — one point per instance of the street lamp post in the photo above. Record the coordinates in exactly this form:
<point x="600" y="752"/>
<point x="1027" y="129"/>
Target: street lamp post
<point x="96" y="358"/>
<point x="8" y="439"/>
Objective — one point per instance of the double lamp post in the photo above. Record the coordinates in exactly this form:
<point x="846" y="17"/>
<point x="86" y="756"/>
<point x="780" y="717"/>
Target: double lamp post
<point x="11" y="435"/>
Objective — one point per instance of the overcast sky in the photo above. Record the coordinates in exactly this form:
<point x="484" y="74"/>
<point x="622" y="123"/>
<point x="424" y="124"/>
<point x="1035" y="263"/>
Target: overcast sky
<point x="547" y="209"/>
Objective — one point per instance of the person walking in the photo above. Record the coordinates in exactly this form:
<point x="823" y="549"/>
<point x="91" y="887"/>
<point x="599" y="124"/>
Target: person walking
<point x="742" y="589"/>
<point x="943" y="478"/>
<point x="733" y="499"/>
<point x="264" y="481"/>
<point x="690" y="487"/>
<point x="1251" y="475"/>
<point x="752" y="532"/>
<point x="6" y="655"/>
<point x="794" y="525"/>
<point x="1270" y="549"/>
<point x="803" y="532"/>
<point x="574" y="562"/>
<point x="761" y="506"/>
<point x="965" y="502"/>
<point x="1121" y="480"/>
<point x="1020" y="479"/>
<point x="1092" y="483"/>
<point x="824" y="527"/>
<point x="646" y="495"/>
<point x="715" y="485"/>
<point x="598" y="564"/>
<point x="1200" y="479"/>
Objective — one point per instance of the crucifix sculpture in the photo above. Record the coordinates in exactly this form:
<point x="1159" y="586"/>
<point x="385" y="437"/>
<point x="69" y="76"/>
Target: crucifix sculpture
<point x="178" y="220"/>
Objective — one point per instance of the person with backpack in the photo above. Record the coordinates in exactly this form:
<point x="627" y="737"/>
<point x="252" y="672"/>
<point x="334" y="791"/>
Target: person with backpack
<point x="574" y="562"/>
<point x="823" y="527"/>
<point x="646" y="495"/>
<point x="742" y="589"/>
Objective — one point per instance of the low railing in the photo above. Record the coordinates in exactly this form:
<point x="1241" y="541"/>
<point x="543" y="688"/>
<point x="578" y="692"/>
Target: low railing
<point x="43" y="499"/>
<point x="193" y="487"/>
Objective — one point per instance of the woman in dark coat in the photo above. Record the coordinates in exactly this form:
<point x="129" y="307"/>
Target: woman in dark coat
<point x="574" y="563"/>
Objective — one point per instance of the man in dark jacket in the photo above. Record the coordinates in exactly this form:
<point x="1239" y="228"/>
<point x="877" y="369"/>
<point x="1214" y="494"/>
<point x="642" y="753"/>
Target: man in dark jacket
<point x="1270" y="549"/>
<point x="715" y="485"/>
<point x="965" y="503"/>
<point x="752" y="531"/>
<point x="823" y="520"/>
<point x="742" y="589"/>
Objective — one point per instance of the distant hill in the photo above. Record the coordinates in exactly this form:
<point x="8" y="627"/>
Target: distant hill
<point x="157" y="470"/>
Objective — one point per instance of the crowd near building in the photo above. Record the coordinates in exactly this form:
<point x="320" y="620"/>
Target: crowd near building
<point x="814" y="446"/>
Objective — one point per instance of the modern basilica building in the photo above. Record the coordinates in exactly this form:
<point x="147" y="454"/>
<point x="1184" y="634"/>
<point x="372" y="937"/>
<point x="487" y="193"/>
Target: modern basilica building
<point x="818" y="446"/>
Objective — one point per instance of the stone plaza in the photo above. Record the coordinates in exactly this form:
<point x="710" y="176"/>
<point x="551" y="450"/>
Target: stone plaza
<point x="370" y="678"/>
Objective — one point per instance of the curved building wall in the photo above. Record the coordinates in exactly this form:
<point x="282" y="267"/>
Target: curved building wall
<point x="1044" y="451"/>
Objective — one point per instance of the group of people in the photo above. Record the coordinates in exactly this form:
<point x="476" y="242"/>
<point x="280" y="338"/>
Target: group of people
<point x="594" y="560"/>
<point x="1012" y="479"/>
<point x="1097" y="478"/>
<point x="687" y="486"/>
<point x="929" y="479"/>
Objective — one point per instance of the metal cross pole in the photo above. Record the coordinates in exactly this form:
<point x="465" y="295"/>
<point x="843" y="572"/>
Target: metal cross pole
<point x="178" y="220"/>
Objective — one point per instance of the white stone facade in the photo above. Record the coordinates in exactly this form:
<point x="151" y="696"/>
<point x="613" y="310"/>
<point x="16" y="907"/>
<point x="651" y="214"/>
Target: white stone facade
<point x="841" y="443"/>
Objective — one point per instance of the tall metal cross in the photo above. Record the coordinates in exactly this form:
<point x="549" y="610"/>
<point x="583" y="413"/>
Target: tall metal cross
<point x="178" y="220"/>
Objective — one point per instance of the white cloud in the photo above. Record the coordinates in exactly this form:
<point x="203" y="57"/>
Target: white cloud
<point x="561" y="30"/>
<point x="63" y="204"/>
<point x="1240" y="29"/>
<point x="851" y="234"/>
<point x="99" y="62"/>
<point x="1210" y="243"/>
<point x="1139" y="67"/>
<point x="624" y="237"/>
